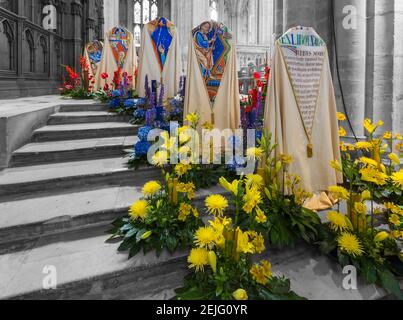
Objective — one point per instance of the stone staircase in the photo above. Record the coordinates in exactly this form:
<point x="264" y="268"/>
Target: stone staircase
<point x="60" y="195"/>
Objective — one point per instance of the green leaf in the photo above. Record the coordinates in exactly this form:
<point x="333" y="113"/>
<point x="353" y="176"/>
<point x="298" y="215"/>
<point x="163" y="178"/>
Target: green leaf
<point x="390" y="283"/>
<point x="369" y="272"/>
<point x="193" y="293"/>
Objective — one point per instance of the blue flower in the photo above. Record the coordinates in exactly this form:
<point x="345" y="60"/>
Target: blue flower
<point x="139" y="114"/>
<point x="114" y="103"/>
<point x="143" y="133"/>
<point x="259" y="135"/>
<point x="140" y="102"/>
<point x="141" y="148"/>
<point x="129" y="103"/>
<point x="115" y="93"/>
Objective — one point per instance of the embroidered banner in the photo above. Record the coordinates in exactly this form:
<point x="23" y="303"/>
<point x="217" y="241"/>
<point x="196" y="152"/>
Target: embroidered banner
<point x="304" y="54"/>
<point x="161" y="31"/>
<point x="94" y="50"/>
<point x="211" y="41"/>
<point x="119" y="40"/>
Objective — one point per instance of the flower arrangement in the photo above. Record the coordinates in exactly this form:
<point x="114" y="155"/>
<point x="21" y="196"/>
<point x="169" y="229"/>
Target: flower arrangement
<point x="78" y="85"/>
<point x="163" y="218"/>
<point x="368" y="235"/>
<point x="224" y="254"/>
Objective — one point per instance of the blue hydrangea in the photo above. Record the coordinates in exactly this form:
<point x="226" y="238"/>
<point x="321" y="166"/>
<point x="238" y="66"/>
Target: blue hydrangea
<point x="139" y="114"/>
<point x="115" y="93"/>
<point x="114" y="103"/>
<point x="129" y="103"/>
<point x="143" y="133"/>
<point x="141" y="148"/>
<point x="140" y="102"/>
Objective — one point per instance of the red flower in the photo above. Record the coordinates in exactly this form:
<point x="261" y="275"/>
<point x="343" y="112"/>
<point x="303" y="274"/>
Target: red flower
<point x="259" y="83"/>
<point x="69" y="87"/>
<point x="104" y="75"/>
<point x="106" y="87"/>
<point x="256" y="75"/>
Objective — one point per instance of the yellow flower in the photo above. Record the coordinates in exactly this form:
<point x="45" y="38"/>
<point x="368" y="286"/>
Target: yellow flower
<point x="286" y="159"/>
<point x="366" y="195"/>
<point x="184" y="211"/>
<point x="146" y="235"/>
<point x="260" y="216"/>
<point x="360" y="208"/>
<point x="381" y="236"/>
<point x="395" y="220"/>
<point x="339" y="222"/>
<point x="231" y="187"/>
<point x="399" y="147"/>
<point x="240" y="295"/>
<point x="139" y="210"/>
<point x="363" y="145"/>
<point x="369" y="126"/>
<point x="258" y="275"/>
<point x="243" y="243"/>
<point x="188" y="188"/>
<point x="257" y="241"/>
<point x="198" y="259"/>
<point x="219" y="224"/>
<point x="388" y="135"/>
<point x="208" y="126"/>
<point x="160" y="159"/>
<point x="341" y="116"/>
<point x="342" y="132"/>
<point x="350" y="244"/>
<point x="151" y="188"/>
<point x="255" y="153"/>
<point x="212" y="259"/>
<point x="368" y="161"/>
<point x="339" y="192"/>
<point x="397" y="179"/>
<point x="370" y="174"/>
<point x="336" y="165"/>
<point x="394" y="158"/>
<point x="182" y="169"/>
<point x="397" y="234"/>
<point x="399" y="136"/>
<point x="205" y="236"/>
<point x="255" y="181"/>
<point x="184" y="151"/>
<point x="266" y="265"/>
<point x="216" y="204"/>
<point x="193" y="118"/>
<point x="251" y="199"/>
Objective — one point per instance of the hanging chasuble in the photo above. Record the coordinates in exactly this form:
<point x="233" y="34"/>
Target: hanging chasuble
<point x="212" y="88"/>
<point x="93" y="56"/>
<point x="160" y="57"/>
<point x="119" y="52"/>
<point x="301" y="110"/>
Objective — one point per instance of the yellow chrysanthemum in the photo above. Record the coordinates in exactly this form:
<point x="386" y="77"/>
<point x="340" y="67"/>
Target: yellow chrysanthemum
<point x="350" y="245"/>
<point x="216" y="204"/>
<point x="240" y="295"/>
<point x="341" y="116"/>
<point x="205" y="237"/>
<point x="139" y="210"/>
<point x="363" y="145"/>
<point x="151" y="188"/>
<point x="255" y="181"/>
<point x="397" y="179"/>
<point x="258" y="275"/>
<point x="251" y="199"/>
<point x="338" y="221"/>
<point x="182" y="169"/>
<point x="255" y="153"/>
<point x="370" y="174"/>
<point x="336" y="165"/>
<point x="395" y="220"/>
<point x="160" y="159"/>
<point x="339" y="192"/>
<point x="360" y="208"/>
<point x="198" y="259"/>
<point x="342" y="132"/>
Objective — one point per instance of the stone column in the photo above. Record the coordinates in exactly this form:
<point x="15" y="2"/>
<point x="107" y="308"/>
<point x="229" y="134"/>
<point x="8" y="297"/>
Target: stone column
<point x="383" y="61"/>
<point x="351" y="43"/>
<point x="398" y="70"/>
<point x="111" y="14"/>
<point x="278" y="18"/>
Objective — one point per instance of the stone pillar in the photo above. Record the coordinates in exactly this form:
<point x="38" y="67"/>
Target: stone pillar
<point x="278" y="18"/>
<point x="383" y="62"/>
<point x="398" y="70"/>
<point x="351" y="42"/>
<point x="111" y="14"/>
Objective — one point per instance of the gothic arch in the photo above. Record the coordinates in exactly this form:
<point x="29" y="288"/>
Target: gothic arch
<point x="9" y="45"/>
<point x="43" y="55"/>
<point x="29" y="49"/>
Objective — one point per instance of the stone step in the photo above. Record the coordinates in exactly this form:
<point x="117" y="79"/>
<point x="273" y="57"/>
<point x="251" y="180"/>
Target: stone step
<point x="31" y="180"/>
<point x="86" y="117"/>
<point x="49" y="217"/>
<point x="84" y="107"/>
<point x="92" y="269"/>
<point x="84" y="131"/>
<point x="71" y="150"/>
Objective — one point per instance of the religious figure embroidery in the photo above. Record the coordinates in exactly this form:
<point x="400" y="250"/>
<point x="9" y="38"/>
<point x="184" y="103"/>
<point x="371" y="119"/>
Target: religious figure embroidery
<point x="304" y="53"/>
<point x="119" y="41"/>
<point x="211" y="41"/>
<point x="161" y="31"/>
<point x="94" y="50"/>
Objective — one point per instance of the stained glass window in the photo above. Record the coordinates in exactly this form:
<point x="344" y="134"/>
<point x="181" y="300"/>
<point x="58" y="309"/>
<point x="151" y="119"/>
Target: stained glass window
<point x="213" y="10"/>
<point x="144" y="12"/>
